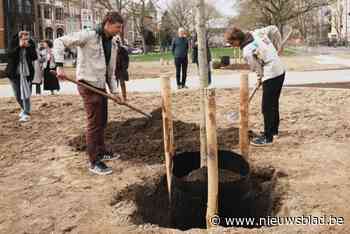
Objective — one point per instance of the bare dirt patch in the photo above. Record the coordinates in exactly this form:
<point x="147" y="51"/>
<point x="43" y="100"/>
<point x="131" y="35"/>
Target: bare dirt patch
<point x="45" y="186"/>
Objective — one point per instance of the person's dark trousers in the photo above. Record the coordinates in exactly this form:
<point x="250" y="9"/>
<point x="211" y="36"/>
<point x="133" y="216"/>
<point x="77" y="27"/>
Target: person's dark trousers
<point x="96" y="108"/>
<point x="24" y="104"/>
<point x="209" y="73"/>
<point x="37" y="88"/>
<point x="270" y="105"/>
<point x="181" y="67"/>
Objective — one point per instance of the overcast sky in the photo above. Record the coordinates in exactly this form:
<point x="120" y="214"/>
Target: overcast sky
<point x="224" y="6"/>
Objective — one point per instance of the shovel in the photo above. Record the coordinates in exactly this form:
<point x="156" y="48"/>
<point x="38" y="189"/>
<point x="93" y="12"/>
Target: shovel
<point x="233" y="116"/>
<point x="107" y="95"/>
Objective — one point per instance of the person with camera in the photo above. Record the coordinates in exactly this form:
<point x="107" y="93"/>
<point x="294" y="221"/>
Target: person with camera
<point x="20" y="70"/>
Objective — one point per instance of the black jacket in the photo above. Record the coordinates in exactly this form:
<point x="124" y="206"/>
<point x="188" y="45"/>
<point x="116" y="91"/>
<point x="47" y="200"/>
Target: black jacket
<point x="195" y="51"/>
<point x="121" y="71"/>
<point x="179" y="47"/>
<point x="13" y="61"/>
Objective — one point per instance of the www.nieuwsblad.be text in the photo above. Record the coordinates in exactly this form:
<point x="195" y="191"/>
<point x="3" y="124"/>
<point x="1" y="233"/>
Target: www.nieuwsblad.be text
<point x="275" y="221"/>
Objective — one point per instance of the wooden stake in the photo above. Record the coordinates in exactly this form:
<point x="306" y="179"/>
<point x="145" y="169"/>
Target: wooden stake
<point x="212" y="159"/>
<point x="244" y="116"/>
<point x="167" y="128"/>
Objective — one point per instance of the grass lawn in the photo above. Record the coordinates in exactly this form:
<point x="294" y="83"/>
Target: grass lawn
<point x="152" y="57"/>
<point x="216" y="54"/>
<point x="289" y="51"/>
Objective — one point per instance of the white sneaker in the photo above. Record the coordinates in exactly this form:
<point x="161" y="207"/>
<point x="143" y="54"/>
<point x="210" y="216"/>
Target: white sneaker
<point x="24" y="118"/>
<point x="21" y="113"/>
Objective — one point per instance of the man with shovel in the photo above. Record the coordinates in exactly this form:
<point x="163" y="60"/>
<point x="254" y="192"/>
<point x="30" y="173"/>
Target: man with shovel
<point x="97" y="50"/>
<point x="261" y="49"/>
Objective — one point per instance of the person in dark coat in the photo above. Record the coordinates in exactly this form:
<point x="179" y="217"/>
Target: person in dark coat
<point x="20" y="70"/>
<point x="50" y="80"/>
<point x="179" y="48"/>
<point x="122" y="66"/>
<point x="195" y="55"/>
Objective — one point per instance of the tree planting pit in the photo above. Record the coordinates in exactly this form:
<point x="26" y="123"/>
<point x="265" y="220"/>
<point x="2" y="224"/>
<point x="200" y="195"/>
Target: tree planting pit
<point x="243" y="193"/>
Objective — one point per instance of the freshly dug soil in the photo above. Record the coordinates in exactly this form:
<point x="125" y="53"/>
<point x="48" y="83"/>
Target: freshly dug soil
<point x="141" y="139"/>
<point x="45" y="187"/>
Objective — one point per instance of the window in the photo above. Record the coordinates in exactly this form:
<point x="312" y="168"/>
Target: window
<point x="47" y="12"/>
<point x="19" y="6"/>
<point x="39" y="12"/>
<point x="49" y="33"/>
<point x="85" y="4"/>
<point x="59" y="13"/>
<point x="60" y="32"/>
<point x="27" y="6"/>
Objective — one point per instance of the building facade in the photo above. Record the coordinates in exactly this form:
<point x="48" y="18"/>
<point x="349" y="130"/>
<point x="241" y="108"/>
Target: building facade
<point x="72" y="15"/>
<point x="18" y="15"/>
<point x="2" y="28"/>
<point x="50" y="19"/>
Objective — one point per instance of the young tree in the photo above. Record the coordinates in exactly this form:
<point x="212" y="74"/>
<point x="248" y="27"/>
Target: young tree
<point x="203" y="74"/>
<point x="142" y="20"/>
<point x="165" y="33"/>
<point x="183" y="13"/>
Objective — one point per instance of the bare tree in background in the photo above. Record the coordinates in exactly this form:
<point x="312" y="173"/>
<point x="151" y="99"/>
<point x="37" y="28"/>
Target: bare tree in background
<point x="280" y="12"/>
<point x="137" y="12"/>
<point x="337" y="21"/>
<point x="121" y="5"/>
<point x="183" y="13"/>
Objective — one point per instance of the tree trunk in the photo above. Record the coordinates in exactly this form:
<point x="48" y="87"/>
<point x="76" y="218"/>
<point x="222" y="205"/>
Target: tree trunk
<point x="144" y="45"/>
<point x="203" y="73"/>
<point x="213" y="166"/>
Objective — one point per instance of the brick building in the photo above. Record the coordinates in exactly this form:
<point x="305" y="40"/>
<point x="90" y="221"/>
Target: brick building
<point x="15" y="15"/>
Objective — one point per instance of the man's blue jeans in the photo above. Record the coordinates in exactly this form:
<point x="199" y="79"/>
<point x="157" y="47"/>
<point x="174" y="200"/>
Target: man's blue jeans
<point x="25" y="104"/>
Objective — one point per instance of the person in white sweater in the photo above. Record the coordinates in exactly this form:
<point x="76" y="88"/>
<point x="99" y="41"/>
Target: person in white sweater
<point x="261" y="50"/>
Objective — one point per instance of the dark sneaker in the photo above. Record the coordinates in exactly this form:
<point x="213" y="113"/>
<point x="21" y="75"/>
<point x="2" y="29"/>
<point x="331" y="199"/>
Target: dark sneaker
<point x="179" y="87"/>
<point x="275" y="135"/>
<point x="100" y="168"/>
<point x="108" y="156"/>
<point x="261" y="142"/>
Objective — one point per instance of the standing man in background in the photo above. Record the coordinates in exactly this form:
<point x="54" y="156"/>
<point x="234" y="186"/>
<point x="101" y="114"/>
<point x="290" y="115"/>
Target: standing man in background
<point x="179" y="48"/>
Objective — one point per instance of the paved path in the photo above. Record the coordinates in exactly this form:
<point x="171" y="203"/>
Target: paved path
<point x="219" y="81"/>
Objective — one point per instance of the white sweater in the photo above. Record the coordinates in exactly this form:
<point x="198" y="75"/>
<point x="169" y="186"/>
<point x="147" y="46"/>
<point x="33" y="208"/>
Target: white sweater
<point x="91" y="65"/>
<point x="261" y="54"/>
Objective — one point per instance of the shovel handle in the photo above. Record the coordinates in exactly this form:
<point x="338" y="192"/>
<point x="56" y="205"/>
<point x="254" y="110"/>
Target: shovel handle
<point x="254" y="92"/>
<point x="110" y="96"/>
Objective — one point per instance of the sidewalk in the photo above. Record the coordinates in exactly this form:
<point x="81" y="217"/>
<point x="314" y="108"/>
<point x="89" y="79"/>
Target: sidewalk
<point x="219" y="81"/>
